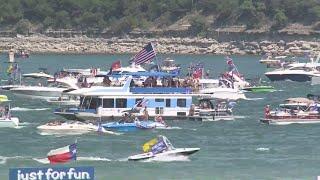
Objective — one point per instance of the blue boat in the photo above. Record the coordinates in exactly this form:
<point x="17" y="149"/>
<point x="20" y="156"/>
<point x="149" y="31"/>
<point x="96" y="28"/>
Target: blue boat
<point x="132" y="126"/>
<point x="120" y="126"/>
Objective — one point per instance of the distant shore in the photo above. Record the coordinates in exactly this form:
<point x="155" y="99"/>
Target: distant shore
<point x="84" y="45"/>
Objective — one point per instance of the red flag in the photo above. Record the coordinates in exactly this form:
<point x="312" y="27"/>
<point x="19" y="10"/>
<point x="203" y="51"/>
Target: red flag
<point x="229" y="61"/>
<point x="197" y="73"/>
<point x="116" y="65"/>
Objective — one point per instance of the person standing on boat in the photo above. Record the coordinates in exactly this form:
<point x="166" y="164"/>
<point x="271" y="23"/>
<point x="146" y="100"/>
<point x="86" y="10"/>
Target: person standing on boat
<point x="145" y="114"/>
<point x="191" y="110"/>
<point x="267" y="111"/>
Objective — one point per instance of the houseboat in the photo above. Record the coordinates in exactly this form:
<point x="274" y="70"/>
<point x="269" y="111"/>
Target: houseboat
<point x="110" y="103"/>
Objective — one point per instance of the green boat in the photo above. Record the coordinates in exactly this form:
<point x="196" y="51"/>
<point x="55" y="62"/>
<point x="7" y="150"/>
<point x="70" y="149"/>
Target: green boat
<point x="259" y="89"/>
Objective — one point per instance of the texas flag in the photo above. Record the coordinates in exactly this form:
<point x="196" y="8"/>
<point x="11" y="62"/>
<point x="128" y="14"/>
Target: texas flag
<point x="64" y="154"/>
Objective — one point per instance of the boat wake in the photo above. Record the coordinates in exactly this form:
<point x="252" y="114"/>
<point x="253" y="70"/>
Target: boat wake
<point x="263" y="149"/>
<point x="253" y="99"/>
<point x="42" y="160"/>
<point x="90" y="158"/>
<point x="60" y="134"/>
<point x="28" y="109"/>
<point x="72" y="133"/>
<point x="4" y="159"/>
<point x="239" y="117"/>
<point x="173" y="127"/>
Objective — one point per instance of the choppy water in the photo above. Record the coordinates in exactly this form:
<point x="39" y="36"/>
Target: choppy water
<point x="241" y="149"/>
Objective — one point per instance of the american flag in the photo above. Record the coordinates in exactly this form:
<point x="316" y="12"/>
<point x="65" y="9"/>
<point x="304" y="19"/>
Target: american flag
<point x="145" y="55"/>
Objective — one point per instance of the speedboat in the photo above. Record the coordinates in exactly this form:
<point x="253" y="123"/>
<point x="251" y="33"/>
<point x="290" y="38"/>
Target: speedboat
<point x="70" y="127"/>
<point x="120" y="126"/>
<point x="221" y="89"/>
<point x="161" y="148"/>
<point x="6" y="120"/>
<point x="293" y="73"/>
<point x="39" y="91"/>
<point x="136" y="124"/>
<point x="259" y="89"/>
<point x="300" y="72"/>
<point x="37" y="75"/>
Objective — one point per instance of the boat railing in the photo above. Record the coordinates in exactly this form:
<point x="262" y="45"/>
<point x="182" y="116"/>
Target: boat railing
<point x="160" y="90"/>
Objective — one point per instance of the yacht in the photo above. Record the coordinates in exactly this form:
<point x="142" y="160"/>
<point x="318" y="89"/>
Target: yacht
<point x="39" y="91"/>
<point x="300" y="72"/>
<point x="221" y="89"/>
<point x="37" y="75"/>
<point x="293" y="73"/>
<point x="41" y="74"/>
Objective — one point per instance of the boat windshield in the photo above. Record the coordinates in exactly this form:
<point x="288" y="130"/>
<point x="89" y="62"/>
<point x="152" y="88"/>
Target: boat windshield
<point x="167" y="142"/>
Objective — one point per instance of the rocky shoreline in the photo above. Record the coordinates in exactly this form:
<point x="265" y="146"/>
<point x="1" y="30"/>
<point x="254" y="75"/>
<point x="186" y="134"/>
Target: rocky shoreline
<point x="84" y="45"/>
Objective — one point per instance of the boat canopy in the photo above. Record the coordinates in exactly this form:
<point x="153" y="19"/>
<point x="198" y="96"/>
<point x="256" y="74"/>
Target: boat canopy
<point x="299" y="100"/>
<point x="160" y="90"/>
<point x="143" y="74"/>
<point x="313" y="97"/>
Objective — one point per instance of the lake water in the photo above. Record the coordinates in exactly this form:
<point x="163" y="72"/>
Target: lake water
<point x="240" y="149"/>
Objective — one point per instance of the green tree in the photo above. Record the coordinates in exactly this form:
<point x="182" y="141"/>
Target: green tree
<point x="198" y="25"/>
<point x="23" y="27"/>
<point x="280" y="19"/>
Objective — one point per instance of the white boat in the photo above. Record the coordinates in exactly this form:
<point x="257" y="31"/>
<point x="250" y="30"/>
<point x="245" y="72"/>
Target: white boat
<point x="9" y="122"/>
<point x="169" y="65"/>
<point x="6" y="120"/>
<point x="37" y="75"/>
<point x="293" y="73"/>
<point x="207" y="110"/>
<point x="220" y="89"/>
<point x="71" y="127"/>
<point x="39" y="91"/>
<point x="109" y="103"/>
<point x="300" y="72"/>
<point x="161" y="148"/>
<point x="272" y="62"/>
<point x="85" y="72"/>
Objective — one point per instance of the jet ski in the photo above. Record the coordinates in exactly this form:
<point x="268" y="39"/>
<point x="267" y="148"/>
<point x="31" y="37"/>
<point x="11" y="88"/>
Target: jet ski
<point x="161" y="147"/>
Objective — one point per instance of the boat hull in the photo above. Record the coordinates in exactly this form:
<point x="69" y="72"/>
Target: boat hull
<point x="120" y="126"/>
<point x="174" y="152"/>
<point x="289" y="121"/>
<point x="85" y="116"/>
<point x="260" y="89"/>
<point x="12" y="122"/>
